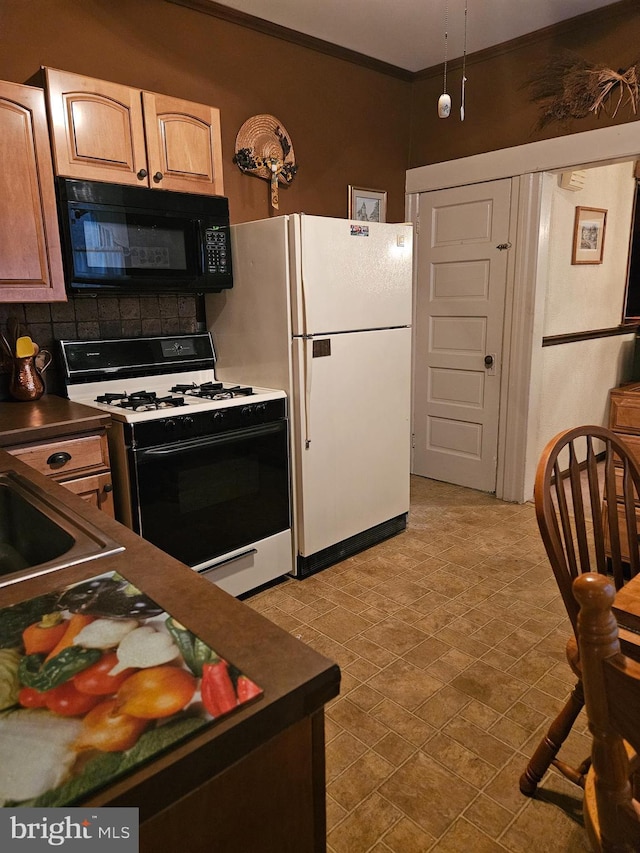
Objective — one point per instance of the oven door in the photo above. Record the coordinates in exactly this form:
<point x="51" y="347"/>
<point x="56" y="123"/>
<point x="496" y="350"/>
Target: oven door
<point x="202" y="498"/>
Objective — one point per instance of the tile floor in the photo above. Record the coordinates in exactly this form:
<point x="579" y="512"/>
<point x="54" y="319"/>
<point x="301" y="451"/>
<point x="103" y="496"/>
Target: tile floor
<point x="450" y="638"/>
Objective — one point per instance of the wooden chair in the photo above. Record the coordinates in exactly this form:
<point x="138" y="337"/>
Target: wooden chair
<point x="611" y="682"/>
<point x="586" y="515"/>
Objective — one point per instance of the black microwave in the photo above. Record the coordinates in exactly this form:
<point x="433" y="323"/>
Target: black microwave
<point x="132" y="240"/>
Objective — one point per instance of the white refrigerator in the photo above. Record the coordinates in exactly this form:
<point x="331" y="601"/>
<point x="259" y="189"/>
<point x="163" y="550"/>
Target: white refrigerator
<point x="322" y="308"/>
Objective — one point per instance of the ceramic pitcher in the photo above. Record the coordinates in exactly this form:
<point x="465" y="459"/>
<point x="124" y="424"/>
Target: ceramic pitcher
<point x="26" y="376"/>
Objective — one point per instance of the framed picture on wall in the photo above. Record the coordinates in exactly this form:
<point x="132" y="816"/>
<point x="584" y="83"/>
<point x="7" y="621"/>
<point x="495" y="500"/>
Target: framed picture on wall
<point x="588" y="235"/>
<point x="367" y="205"/>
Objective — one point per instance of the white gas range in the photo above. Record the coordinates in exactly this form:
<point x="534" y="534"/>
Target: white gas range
<point x="201" y="467"/>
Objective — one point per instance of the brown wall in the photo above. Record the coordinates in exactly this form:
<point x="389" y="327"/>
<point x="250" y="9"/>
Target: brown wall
<point x="499" y="110"/>
<point x="348" y="124"/>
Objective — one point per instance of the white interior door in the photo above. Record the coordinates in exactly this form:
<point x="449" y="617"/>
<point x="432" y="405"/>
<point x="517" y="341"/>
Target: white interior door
<point x="461" y="283"/>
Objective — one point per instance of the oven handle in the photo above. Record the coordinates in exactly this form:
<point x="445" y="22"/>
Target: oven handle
<point x="211" y="441"/>
<point x="212" y="564"/>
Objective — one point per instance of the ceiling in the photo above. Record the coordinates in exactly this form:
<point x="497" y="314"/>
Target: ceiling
<point x="410" y="33"/>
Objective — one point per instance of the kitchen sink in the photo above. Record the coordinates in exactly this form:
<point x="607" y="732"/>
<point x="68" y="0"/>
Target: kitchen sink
<point x="38" y="536"/>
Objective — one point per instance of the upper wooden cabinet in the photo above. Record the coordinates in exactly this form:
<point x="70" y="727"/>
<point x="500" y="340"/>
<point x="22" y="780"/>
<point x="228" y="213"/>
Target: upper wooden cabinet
<point x="30" y="257"/>
<point x="108" y="132"/>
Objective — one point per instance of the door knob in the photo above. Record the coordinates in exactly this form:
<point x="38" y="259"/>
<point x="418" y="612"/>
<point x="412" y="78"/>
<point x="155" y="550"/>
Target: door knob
<point x="488" y="361"/>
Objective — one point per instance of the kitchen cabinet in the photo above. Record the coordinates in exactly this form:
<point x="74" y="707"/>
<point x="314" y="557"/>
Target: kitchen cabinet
<point x="624" y="420"/>
<point x="30" y="256"/>
<point x="59" y="440"/>
<point x="104" y="131"/>
<point x="255" y="779"/>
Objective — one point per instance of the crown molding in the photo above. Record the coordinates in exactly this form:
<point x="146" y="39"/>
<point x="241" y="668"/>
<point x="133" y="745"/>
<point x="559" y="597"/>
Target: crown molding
<point x="616" y="10"/>
<point x="225" y="13"/>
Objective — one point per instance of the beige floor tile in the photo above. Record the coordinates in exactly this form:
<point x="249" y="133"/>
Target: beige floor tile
<point x="407" y="837"/>
<point x="360" y="830"/>
<point x="394" y="748"/>
<point x="488" y="816"/>
<point x="497" y="689"/>
<point x="395" y="635"/>
<point x="451" y="640"/>
<point x="341" y="753"/>
<point x="403" y="722"/>
<point x="405" y="684"/>
<point x="427" y="794"/>
<point x="360" y="780"/>
<point x="465" y="836"/>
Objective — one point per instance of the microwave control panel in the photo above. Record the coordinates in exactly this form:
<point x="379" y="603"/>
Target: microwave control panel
<point x="216" y="249"/>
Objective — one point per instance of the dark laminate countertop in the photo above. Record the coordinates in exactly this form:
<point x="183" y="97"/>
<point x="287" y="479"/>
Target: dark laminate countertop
<point x="46" y="418"/>
<point x="296" y="680"/>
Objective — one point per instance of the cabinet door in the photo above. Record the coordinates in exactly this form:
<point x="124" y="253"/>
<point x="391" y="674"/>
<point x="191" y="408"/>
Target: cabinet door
<point x="97" y="129"/>
<point x="30" y="257"/>
<point x="96" y="490"/>
<point x="183" y="145"/>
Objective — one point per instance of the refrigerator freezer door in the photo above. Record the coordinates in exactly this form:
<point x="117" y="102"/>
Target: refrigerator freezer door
<point x="354" y="473"/>
<point x="350" y="275"/>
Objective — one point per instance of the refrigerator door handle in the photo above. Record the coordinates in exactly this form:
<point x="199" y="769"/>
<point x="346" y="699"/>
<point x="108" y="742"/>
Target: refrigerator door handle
<point x="308" y="362"/>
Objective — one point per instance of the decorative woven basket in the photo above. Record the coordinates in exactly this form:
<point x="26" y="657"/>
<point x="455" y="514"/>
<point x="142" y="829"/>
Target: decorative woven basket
<point x="263" y="139"/>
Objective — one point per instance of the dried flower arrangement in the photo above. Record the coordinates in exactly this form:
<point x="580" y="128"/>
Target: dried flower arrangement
<point x="570" y="87"/>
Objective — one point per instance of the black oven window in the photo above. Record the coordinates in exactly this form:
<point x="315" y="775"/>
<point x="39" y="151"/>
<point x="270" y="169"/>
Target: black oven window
<point x="201" y="503"/>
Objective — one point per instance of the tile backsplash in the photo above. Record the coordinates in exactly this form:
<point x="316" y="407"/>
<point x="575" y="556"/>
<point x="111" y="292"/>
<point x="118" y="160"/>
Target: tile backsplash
<point x="88" y="318"/>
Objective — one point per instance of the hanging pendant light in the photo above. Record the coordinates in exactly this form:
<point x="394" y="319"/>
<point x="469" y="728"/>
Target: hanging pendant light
<point x="444" y="101"/>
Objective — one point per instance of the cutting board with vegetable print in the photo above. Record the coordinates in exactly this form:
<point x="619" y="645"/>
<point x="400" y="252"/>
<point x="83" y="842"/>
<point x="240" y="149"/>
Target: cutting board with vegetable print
<point x="95" y="680"/>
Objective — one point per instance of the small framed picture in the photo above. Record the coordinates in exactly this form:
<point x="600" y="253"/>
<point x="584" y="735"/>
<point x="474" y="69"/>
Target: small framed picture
<point x="367" y="205"/>
<point x="588" y="235"/>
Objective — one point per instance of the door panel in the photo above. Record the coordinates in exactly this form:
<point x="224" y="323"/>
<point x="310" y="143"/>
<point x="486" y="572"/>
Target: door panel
<point x="459" y="322"/>
<point x="351" y="276"/>
<point x="183" y="145"/>
<point x="97" y="129"/>
<point x="352" y="436"/>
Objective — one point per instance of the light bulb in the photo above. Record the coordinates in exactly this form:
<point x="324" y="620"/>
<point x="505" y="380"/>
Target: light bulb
<point x="444" y="105"/>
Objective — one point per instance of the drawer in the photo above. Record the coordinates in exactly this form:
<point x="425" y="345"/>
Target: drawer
<point x="65" y="457"/>
<point x="618" y="473"/>
<point x="622" y="525"/>
<point x="96" y="489"/>
<point x="624" y="415"/>
<point x="633" y="445"/>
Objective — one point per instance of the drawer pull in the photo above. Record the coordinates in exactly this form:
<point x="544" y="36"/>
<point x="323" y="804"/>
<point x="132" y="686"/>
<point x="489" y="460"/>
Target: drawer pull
<point x="58" y="459"/>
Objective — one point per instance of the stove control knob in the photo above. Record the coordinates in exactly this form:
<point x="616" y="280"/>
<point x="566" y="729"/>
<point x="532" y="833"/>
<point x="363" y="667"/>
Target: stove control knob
<point x="247" y="411"/>
<point x="170" y="425"/>
<point x="218" y="416"/>
<point x="187" y="422"/>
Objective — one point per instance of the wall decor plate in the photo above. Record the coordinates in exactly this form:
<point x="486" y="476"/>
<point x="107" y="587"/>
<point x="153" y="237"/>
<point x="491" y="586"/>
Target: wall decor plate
<point x="264" y="149"/>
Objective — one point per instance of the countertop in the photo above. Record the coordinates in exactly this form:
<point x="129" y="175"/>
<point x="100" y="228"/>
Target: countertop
<point x="297" y="681"/>
<point x="46" y="418"/>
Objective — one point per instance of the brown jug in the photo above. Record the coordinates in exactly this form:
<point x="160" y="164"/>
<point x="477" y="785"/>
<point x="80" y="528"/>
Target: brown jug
<point x="26" y="376"/>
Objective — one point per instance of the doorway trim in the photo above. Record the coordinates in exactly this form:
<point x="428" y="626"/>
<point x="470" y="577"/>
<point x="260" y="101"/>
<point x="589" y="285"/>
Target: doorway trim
<point x="526" y="164"/>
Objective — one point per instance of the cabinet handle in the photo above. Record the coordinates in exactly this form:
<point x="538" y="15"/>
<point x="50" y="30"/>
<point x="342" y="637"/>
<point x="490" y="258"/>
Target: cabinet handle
<point x="59" y="458"/>
<point x="108" y="487"/>
<point x="142" y="174"/>
<point x="158" y="177"/>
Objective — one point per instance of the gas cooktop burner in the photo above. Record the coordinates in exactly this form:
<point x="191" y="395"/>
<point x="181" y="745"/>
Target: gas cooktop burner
<point x="140" y="401"/>
<point x="138" y="380"/>
<point x="213" y="391"/>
